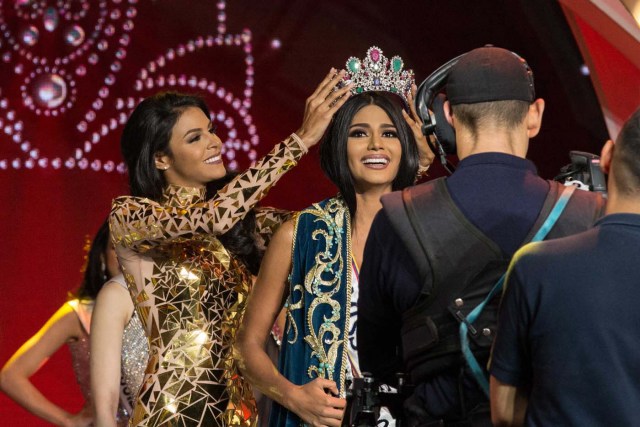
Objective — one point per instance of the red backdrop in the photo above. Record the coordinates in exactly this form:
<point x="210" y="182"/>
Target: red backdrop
<point x="69" y="75"/>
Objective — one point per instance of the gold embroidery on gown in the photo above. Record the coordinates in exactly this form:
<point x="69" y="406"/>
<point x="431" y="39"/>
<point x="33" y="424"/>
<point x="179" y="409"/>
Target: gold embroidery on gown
<point x="190" y="294"/>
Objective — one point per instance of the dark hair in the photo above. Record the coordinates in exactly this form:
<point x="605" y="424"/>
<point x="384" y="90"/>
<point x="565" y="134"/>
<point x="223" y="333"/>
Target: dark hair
<point x="627" y="156"/>
<point x="508" y="113"/>
<point x="240" y="239"/>
<point x="333" y="149"/>
<point x="148" y="132"/>
<point x="96" y="273"/>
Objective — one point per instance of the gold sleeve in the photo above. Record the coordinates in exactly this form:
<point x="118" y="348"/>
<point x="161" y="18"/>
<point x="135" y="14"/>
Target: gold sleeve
<point x="267" y="222"/>
<point x="141" y="223"/>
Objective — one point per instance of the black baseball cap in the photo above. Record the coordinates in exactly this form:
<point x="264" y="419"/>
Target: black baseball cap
<point x="490" y="74"/>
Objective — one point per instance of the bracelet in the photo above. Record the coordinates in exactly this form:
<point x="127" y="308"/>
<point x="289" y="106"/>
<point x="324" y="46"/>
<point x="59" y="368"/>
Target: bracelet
<point x="297" y="139"/>
<point x="422" y="171"/>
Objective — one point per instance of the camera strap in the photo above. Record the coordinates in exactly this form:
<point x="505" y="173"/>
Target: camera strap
<point x="472" y="362"/>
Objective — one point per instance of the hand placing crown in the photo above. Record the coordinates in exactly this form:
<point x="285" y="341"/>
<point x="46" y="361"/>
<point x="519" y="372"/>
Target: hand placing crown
<point x="377" y="73"/>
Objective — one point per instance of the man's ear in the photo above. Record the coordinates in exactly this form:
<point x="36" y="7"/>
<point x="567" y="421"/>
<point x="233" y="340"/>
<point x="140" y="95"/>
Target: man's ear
<point x="163" y="161"/>
<point x="447" y="112"/>
<point x="606" y="155"/>
<point x="534" y="117"/>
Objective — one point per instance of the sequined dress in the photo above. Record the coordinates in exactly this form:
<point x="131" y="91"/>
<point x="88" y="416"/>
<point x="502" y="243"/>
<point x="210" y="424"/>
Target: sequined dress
<point x="190" y="293"/>
<point x="133" y="360"/>
<point x="79" y="348"/>
<point x="80" y="356"/>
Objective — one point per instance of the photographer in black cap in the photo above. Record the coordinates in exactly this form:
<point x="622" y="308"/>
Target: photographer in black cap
<point x="436" y="250"/>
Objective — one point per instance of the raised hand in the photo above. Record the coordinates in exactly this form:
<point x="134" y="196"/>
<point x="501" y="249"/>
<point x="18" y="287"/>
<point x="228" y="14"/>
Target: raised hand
<point x="321" y="106"/>
<point x="414" y="122"/>
<point x="315" y="406"/>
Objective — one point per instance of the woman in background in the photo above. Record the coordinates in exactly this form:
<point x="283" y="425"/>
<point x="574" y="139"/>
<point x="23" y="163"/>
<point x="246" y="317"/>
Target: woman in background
<point x="69" y="325"/>
<point x="119" y="354"/>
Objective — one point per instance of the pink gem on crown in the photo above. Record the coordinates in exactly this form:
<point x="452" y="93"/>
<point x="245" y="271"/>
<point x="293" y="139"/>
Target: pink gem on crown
<point x="377" y="73"/>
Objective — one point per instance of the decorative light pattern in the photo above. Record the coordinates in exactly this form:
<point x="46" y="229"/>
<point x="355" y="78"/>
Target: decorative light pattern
<point x="49" y="90"/>
<point x="50" y="82"/>
<point x="29" y="36"/>
<point x="51" y="19"/>
<point x="74" y="35"/>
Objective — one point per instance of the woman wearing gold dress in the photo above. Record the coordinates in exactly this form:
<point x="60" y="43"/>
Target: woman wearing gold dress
<point x="188" y="289"/>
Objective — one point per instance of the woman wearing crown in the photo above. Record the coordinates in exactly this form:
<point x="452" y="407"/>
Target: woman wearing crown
<point x="372" y="146"/>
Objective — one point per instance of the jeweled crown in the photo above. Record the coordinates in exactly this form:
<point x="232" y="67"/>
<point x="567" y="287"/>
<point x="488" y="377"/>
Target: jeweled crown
<point x="377" y="73"/>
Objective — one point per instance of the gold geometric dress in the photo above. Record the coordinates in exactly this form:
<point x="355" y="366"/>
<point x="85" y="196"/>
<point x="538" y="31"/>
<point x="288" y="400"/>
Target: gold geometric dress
<point x="190" y="293"/>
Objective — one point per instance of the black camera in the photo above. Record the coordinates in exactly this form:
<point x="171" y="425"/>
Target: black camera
<point x="584" y="172"/>
<point x="367" y="396"/>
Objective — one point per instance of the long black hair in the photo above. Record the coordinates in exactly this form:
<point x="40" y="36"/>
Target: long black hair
<point x="147" y="133"/>
<point x="96" y="272"/>
<point x="240" y="239"/>
<point x="333" y="149"/>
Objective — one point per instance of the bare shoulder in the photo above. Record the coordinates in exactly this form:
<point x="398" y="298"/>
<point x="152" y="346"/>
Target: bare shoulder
<point x="284" y="234"/>
<point x="63" y="325"/>
<point x="113" y="289"/>
<point x="66" y="313"/>
<point x="114" y="298"/>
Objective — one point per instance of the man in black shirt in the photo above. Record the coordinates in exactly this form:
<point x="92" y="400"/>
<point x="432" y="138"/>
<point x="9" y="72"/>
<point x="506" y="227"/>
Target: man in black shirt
<point x="566" y="352"/>
<point x="474" y="220"/>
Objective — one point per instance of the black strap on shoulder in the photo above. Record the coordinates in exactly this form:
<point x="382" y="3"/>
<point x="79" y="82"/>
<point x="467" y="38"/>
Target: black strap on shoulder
<point x="434" y="219"/>
<point x="407" y="200"/>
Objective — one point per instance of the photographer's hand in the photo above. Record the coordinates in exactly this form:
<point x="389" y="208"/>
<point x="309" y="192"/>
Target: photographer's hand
<point x="314" y="405"/>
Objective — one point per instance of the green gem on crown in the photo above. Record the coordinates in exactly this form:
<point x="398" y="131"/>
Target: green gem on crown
<point x="353" y="65"/>
<point x="397" y="64"/>
<point x="359" y="89"/>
